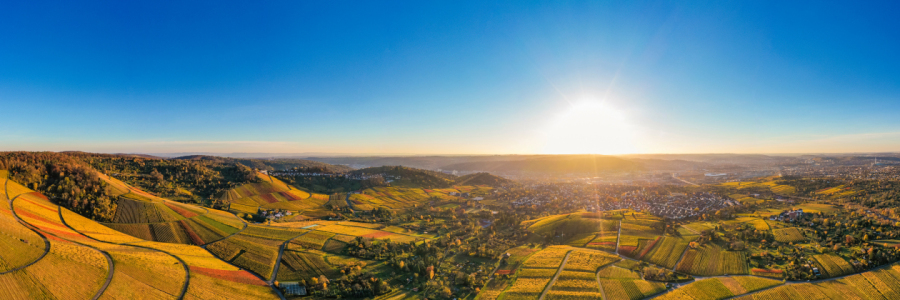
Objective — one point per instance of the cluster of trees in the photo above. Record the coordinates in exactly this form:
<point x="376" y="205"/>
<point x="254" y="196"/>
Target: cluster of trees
<point x="177" y="179"/>
<point x="423" y="265"/>
<point x="71" y="179"/>
<point x="64" y="179"/>
<point x="353" y="283"/>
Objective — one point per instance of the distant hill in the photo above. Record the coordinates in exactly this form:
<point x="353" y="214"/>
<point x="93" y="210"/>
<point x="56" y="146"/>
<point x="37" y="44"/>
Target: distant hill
<point x="410" y="177"/>
<point x="421" y="162"/>
<point x="271" y="164"/>
<point x="496" y="163"/>
<point x="552" y="164"/>
<point x="482" y="179"/>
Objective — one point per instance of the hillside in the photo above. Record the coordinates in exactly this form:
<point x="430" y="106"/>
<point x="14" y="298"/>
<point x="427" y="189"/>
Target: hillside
<point x="53" y="253"/>
<point x="482" y="179"/>
<point x="557" y="164"/>
<point x="271" y="193"/>
<point x="409" y="177"/>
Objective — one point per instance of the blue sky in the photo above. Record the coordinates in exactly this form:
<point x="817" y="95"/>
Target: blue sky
<point x="450" y="77"/>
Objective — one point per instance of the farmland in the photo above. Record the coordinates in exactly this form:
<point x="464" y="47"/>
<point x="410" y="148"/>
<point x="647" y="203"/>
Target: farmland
<point x="548" y="258"/>
<point x="588" y="261"/>
<point x="877" y="284"/>
<point x="303" y="265"/>
<point x="313" y="240"/>
<point x="720" y="288"/>
<point x="788" y="235"/>
<point x="405" y="197"/>
<point x="833" y="265"/>
<point x="135" y="211"/>
<point x="171" y="222"/>
<point x="139" y="271"/>
<point x="616" y="272"/>
<point x="745" y="199"/>
<point x="667" y="251"/>
<point x="69" y="271"/>
<point x="711" y="259"/>
<point x="535" y="273"/>
<point x="428" y="241"/>
<point x="574" y="285"/>
<point x="766" y="184"/>
<point x="252" y="253"/>
<point x="629" y="289"/>
<point x="21" y="245"/>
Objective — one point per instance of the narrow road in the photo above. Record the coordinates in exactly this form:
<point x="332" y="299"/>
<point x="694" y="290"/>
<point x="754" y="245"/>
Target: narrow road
<point x="600" y="285"/>
<point x="280" y="252"/>
<point x="618" y="234"/>
<point x="555" y="277"/>
<point x="110" y="266"/>
<point x="274" y="289"/>
<point x="350" y="204"/>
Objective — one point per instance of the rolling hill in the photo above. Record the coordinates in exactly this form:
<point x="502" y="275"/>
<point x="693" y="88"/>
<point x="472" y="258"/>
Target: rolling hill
<point x="270" y="193"/>
<point x="409" y="177"/>
<point x="51" y="252"/>
<point x="482" y="179"/>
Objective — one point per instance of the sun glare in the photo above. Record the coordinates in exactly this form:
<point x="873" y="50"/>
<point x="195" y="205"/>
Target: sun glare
<point x="589" y="127"/>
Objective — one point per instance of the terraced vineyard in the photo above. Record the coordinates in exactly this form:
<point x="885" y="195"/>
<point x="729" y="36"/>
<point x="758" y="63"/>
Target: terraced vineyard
<point x="271" y="193"/>
<point x="588" y="261"/>
<point x="575" y="285"/>
<point x="629" y="289"/>
<point x="303" y="265"/>
<point x="788" y="235"/>
<point x="877" y="284"/>
<point x="86" y="259"/>
<point x="637" y="237"/>
<point x="536" y="272"/>
<point x="720" y="288"/>
<point x="667" y="251"/>
<point x="711" y="259"/>
<point x="255" y="249"/>
<point x="833" y="266"/>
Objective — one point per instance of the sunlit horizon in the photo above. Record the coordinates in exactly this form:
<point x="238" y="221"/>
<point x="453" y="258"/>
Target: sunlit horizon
<point x="522" y="78"/>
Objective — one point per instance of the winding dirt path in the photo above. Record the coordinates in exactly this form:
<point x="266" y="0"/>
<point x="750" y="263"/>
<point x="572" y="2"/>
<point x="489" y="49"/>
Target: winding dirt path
<point x="187" y="271"/>
<point x="110" y="266"/>
<point x="35" y="230"/>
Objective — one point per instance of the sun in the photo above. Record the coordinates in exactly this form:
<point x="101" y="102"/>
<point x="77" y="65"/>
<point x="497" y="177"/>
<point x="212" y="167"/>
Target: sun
<point x="589" y="127"/>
